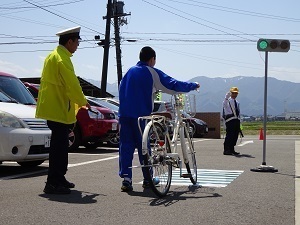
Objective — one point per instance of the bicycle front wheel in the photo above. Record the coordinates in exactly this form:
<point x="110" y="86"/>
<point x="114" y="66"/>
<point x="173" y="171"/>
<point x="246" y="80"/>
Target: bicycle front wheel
<point x="189" y="155"/>
<point x="159" y="172"/>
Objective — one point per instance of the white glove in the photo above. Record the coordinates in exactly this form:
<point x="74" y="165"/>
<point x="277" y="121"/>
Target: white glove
<point x="228" y="94"/>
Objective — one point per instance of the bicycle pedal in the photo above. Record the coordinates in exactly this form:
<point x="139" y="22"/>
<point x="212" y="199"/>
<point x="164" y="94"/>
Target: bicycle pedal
<point x="186" y="175"/>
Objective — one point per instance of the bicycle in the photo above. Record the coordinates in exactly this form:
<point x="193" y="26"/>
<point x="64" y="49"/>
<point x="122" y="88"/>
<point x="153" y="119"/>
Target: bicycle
<point x="160" y="153"/>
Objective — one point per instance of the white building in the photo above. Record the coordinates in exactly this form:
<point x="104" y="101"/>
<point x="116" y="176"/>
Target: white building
<point x="292" y="115"/>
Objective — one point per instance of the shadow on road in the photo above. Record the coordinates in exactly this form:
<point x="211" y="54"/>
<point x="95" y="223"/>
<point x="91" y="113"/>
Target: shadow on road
<point x="76" y="197"/>
<point x="244" y="156"/>
<point x="180" y="193"/>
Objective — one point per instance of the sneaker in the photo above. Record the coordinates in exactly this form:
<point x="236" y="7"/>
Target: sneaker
<point x="56" y="189"/>
<point x="126" y="186"/>
<point x="147" y="185"/>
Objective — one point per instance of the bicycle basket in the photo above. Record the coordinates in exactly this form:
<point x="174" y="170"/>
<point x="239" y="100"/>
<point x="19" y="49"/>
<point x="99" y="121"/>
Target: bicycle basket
<point x="190" y="104"/>
<point x="186" y="103"/>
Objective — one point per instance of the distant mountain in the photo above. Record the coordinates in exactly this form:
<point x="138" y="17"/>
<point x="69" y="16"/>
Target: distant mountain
<point x="281" y="94"/>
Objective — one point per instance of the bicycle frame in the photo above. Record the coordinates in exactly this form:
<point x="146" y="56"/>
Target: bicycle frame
<point x="180" y="129"/>
<point x="163" y="155"/>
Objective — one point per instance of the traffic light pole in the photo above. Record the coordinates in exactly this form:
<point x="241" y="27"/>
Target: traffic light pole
<point x="265" y="109"/>
<point x="264" y="167"/>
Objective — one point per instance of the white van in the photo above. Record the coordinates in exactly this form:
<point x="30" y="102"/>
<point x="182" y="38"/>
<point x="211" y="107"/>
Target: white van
<point x="23" y="138"/>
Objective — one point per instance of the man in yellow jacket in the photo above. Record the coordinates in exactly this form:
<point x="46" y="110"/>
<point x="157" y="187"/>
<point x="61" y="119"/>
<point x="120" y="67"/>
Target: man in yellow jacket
<point x="59" y="95"/>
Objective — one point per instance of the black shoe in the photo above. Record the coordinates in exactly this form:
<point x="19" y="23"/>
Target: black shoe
<point x="56" y="189"/>
<point x="146" y="183"/>
<point x="235" y="153"/>
<point x="227" y="153"/>
<point x="68" y="184"/>
<point x="126" y="186"/>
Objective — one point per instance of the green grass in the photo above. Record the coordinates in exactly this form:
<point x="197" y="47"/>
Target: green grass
<point x="273" y="127"/>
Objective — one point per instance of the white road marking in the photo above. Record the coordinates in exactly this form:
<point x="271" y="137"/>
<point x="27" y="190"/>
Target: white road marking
<point x="72" y="165"/>
<point x="202" y="140"/>
<point x="93" y="161"/>
<point x="206" y="177"/>
<point x="74" y="153"/>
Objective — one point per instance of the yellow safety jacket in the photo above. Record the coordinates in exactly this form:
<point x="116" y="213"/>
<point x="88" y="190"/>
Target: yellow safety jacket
<point x="60" y="89"/>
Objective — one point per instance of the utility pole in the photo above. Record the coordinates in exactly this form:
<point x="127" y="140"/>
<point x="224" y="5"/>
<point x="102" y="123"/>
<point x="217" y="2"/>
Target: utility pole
<point x="115" y="11"/>
<point x="106" y="49"/>
<point x="119" y="20"/>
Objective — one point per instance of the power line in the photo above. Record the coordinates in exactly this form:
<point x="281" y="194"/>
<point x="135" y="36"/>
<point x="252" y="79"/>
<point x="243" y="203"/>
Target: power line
<point x="41" y="50"/>
<point x="238" y="11"/>
<point x="60" y="16"/>
<point x="208" y="34"/>
<point x="44" y="6"/>
<point x="222" y="31"/>
<point x="221" y="61"/>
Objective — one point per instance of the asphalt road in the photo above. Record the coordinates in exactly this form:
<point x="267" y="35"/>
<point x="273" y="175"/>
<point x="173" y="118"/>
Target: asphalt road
<point x="230" y="192"/>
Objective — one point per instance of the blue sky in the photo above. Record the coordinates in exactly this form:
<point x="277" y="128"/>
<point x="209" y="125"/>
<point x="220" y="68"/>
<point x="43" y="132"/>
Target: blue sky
<point x="215" y="38"/>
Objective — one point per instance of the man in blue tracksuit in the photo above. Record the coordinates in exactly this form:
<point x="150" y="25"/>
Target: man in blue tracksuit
<point x="136" y="95"/>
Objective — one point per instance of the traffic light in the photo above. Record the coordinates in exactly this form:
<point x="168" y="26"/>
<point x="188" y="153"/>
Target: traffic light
<point x="273" y="45"/>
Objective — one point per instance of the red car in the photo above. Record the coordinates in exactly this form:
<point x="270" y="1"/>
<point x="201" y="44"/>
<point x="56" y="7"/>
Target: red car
<point x="92" y="127"/>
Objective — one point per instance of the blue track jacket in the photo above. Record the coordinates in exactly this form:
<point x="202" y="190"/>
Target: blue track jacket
<point x="137" y="88"/>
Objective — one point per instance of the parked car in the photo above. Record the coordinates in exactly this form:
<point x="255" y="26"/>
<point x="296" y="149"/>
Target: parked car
<point x="24" y="138"/>
<point x="91" y="128"/>
<point x="111" y="100"/>
<point x="101" y="102"/>
<point x="162" y="106"/>
<point x="13" y="87"/>
<point x="197" y="127"/>
<point x="33" y="88"/>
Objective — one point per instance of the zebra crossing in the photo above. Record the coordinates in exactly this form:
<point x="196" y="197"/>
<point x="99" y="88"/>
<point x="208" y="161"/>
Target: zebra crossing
<point x="206" y="177"/>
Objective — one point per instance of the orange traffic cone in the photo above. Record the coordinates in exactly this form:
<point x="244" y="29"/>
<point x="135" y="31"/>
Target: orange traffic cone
<point x="261" y="134"/>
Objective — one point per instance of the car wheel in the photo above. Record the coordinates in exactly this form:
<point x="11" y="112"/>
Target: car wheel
<point x="191" y="130"/>
<point x="114" y="141"/>
<point x="74" y="139"/>
<point x="31" y="163"/>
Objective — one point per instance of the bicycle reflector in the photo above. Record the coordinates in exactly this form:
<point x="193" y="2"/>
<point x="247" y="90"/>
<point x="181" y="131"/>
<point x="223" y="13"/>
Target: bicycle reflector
<point x="161" y="143"/>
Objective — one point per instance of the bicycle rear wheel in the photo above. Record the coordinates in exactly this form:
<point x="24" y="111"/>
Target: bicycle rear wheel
<point x="159" y="173"/>
<point x="189" y="156"/>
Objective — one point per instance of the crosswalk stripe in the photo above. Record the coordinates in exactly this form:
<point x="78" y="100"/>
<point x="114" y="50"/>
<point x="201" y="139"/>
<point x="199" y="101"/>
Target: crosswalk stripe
<point x="206" y="177"/>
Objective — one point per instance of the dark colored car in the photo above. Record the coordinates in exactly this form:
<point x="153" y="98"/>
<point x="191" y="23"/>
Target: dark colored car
<point x="91" y="128"/>
<point x="197" y="127"/>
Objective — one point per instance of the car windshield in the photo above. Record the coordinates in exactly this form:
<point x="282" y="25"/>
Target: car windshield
<point x="15" y="89"/>
<point x="5" y="98"/>
<point x="106" y="104"/>
<point x="186" y="115"/>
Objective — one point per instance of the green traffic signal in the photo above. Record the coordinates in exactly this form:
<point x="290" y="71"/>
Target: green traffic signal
<point x="273" y="45"/>
<point x="263" y="44"/>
